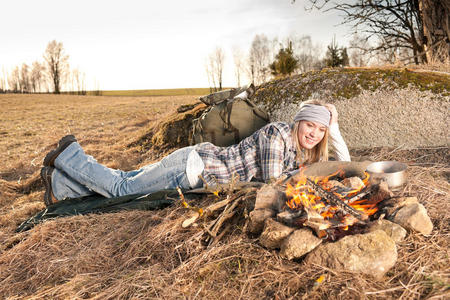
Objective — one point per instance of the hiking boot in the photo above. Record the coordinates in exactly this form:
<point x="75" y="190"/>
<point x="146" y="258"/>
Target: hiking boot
<point x="49" y="160"/>
<point x="46" y="175"/>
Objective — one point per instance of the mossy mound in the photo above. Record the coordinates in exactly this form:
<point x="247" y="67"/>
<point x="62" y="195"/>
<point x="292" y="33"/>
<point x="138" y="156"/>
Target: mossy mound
<point x="174" y="132"/>
<point x="347" y="83"/>
<point x="377" y="106"/>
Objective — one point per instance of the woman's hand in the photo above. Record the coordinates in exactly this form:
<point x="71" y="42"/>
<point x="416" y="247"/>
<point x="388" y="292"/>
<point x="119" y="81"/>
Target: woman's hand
<point x="333" y="112"/>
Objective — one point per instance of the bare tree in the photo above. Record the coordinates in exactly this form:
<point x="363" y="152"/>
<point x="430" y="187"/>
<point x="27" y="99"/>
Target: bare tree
<point x="259" y="60"/>
<point x="14" y="80"/>
<point x="57" y="64"/>
<point x="78" y="81"/>
<point x="83" y="84"/>
<point x="37" y="77"/>
<point x="209" y="73"/>
<point x="418" y="25"/>
<point x="238" y="58"/>
<point x="3" y="87"/>
<point x="435" y="16"/>
<point x="214" y="67"/>
<point x="24" y="82"/>
<point x="359" y="56"/>
<point x="307" y="53"/>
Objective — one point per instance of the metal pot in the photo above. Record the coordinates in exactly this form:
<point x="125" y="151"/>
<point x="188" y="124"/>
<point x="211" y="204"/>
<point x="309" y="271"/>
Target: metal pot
<point x="391" y="171"/>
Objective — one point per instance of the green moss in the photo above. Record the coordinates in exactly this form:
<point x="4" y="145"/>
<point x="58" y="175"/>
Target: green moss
<point x="371" y="79"/>
<point x="348" y="83"/>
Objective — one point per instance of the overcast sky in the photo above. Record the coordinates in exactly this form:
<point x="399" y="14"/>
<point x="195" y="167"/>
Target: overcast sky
<point x="152" y="44"/>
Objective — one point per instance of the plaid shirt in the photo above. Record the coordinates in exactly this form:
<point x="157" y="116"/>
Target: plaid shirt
<point x="265" y="155"/>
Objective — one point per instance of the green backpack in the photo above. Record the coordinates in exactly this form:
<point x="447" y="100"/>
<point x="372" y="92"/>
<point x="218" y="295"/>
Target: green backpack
<point x="230" y="117"/>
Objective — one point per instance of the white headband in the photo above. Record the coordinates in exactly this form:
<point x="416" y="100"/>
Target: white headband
<point x="314" y="113"/>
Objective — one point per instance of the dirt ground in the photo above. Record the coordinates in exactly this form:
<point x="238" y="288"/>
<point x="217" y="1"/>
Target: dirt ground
<point x="147" y="254"/>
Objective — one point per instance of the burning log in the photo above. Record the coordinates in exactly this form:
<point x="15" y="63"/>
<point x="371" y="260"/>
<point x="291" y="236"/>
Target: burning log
<point x="361" y="195"/>
<point x="333" y="199"/>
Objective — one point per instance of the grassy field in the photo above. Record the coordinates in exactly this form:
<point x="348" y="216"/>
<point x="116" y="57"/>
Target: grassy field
<point x="155" y="92"/>
<point x="31" y="125"/>
<point x="145" y="254"/>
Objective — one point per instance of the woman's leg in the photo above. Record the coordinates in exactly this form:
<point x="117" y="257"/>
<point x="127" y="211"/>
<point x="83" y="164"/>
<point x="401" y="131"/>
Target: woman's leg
<point x="169" y="173"/>
<point x="65" y="187"/>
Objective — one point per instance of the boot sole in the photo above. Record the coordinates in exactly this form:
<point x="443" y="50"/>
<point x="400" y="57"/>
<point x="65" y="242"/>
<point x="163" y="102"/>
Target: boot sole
<point x="49" y="160"/>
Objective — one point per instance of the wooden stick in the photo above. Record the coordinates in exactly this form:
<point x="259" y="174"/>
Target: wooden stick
<point x="216" y="239"/>
<point x="361" y="195"/>
<point x="215" y="206"/>
<point x="335" y="200"/>
<point x="227" y="214"/>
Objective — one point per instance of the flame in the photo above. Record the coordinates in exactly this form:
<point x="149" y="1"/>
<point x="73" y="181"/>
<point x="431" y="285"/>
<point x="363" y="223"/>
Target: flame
<point x="301" y="196"/>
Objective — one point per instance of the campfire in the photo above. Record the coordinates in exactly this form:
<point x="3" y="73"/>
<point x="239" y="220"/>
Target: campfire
<point x="317" y="218"/>
<point x="331" y="205"/>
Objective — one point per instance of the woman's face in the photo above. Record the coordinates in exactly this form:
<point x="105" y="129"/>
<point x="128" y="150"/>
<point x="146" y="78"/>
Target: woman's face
<point x="310" y="134"/>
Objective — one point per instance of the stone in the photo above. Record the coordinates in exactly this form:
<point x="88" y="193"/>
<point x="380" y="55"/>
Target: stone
<point x="372" y="253"/>
<point x="403" y="201"/>
<point x="396" y="232"/>
<point x="392" y="205"/>
<point x="269" y="197"/>
<point x="299" y="243"/>
<point x="257" y="218"/>
<point x="354" y="183"/>
<point x="289" y="217"/>
<point x="382" y="192"/>
<point x="414" y="217"/>
<point x="274" y="233"/>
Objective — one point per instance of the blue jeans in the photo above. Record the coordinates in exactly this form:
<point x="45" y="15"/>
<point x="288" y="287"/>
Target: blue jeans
<point x="77" y="174"/>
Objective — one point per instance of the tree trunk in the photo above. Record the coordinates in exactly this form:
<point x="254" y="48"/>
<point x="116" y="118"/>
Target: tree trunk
<point x="436" y="28"/>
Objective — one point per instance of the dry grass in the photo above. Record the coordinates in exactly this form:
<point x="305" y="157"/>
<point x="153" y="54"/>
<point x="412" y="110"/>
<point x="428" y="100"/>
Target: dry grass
<point x="142" y="254"/>
<point x="31" y="125"/>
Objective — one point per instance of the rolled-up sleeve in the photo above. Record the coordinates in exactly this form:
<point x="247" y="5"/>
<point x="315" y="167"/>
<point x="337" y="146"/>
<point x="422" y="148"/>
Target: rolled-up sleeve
<point x="338" y="143"/>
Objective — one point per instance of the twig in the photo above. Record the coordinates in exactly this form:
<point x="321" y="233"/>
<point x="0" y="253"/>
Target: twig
<point x="219" y="237"/>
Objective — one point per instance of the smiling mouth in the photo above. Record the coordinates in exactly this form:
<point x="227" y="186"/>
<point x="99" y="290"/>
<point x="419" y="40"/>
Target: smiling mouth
<point x="310" y="140"/>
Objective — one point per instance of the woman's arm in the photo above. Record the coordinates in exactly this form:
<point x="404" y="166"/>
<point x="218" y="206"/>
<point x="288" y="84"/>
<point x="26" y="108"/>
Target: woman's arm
<point x="271" y="154"/>
<point x="337" y="141"/>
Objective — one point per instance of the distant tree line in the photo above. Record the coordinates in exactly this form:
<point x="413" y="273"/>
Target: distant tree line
<point x="267" y="59"/>
<point x="51" y="75"/>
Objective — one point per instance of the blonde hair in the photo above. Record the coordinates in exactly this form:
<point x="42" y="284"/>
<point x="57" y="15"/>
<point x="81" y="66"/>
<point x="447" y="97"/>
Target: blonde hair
<point x="320" y="151"/>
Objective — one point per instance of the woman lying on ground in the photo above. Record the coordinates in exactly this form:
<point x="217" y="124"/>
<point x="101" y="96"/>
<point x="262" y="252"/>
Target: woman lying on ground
<point x="269" y="153"/>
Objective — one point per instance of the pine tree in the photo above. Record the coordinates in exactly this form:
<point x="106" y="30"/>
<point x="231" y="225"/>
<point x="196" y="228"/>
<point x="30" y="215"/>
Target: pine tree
<point x="335" y="56"/>
<point x="345" y="61"/>
<point x="285" y="62"/>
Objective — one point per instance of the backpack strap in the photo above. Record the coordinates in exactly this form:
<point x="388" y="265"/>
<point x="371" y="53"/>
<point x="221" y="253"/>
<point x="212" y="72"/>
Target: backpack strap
<point x="225" y="115"/>
<point x="230" y="126"/>
<point x="257" y="111"/>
